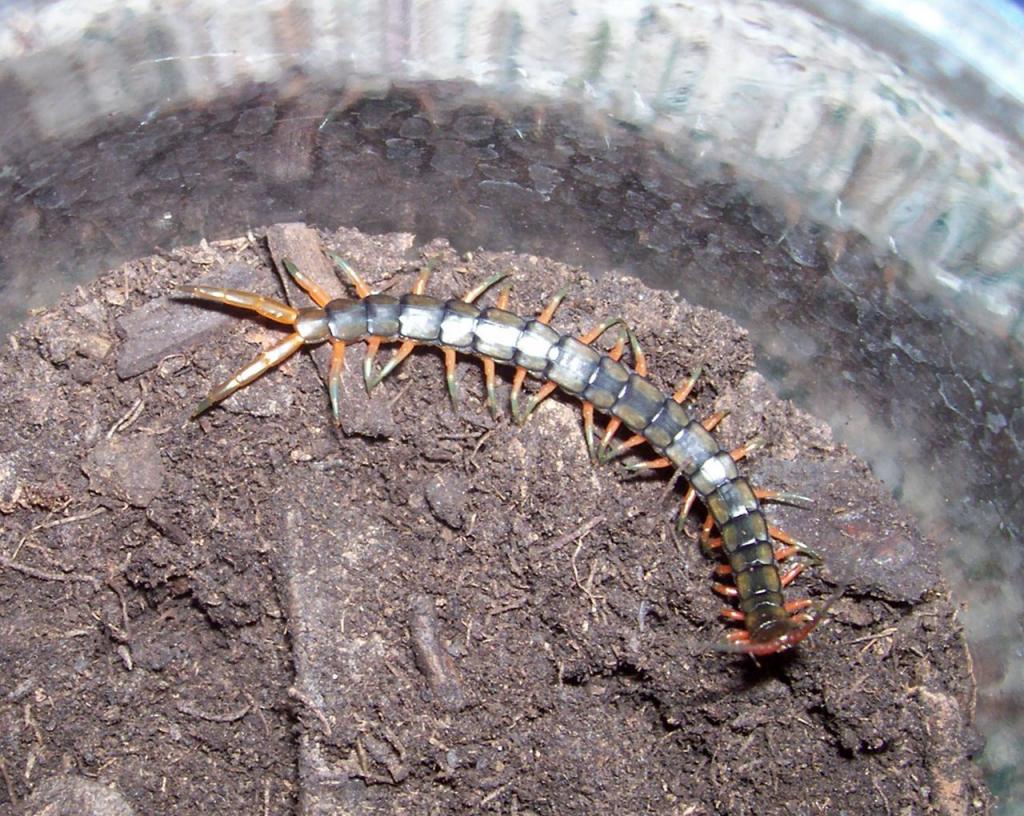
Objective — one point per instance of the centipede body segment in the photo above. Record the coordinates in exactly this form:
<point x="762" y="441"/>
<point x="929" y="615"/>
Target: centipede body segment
<point x="598" y="379"/>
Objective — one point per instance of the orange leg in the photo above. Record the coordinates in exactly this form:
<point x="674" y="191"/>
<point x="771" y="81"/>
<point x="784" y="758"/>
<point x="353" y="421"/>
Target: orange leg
<point x="790" y="575"/>
<point x="318" y="295"/>
<point x="480" y="288"/>
<point x="705" y="535"/>
<point x="404" y="351"/>
<point x="725" y="590"/>
<point x="779" y="497"/>
<point x="799" y="546"/>
<point x="353" y="277"/>
<point x="334" y="378"/>
<point x="372" y="347"/>
<point x="449" y="376"/>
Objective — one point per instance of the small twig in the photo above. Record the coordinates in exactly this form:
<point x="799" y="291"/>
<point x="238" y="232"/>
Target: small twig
<point x="479" y="444"/>
<point x="885" y="799"/>
<point x="876" y="636"/>
<point x="303" y="698"/>
<point x="133" y="414"/>
<point x="494" y="794"/>
<point x="588" y="588"/>
<point x="432" y="658"/>
<point x="43" y="575"/>
<point x="88" y="514"/>
<point x="578" y="533"/>
<point x="46" y="525"/>
<point x="231" y="716"/>
<point x="11" y="795"/>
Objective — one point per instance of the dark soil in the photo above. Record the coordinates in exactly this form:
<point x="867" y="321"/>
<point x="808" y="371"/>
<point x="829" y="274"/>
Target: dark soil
<point x="429" y="610"/>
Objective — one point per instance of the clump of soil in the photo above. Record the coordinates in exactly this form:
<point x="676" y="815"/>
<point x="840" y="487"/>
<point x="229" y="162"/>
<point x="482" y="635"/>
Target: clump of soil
<point x="430" y="610"/>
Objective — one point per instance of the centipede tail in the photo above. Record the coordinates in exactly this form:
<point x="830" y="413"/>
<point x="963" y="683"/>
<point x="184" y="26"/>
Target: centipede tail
<point x="736" y="526"/>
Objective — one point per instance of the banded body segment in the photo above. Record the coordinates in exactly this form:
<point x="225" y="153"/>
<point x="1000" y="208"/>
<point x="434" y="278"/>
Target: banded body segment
<point x="533" y="349"/>
<point x="346" y="319"/>
<point x="606" y="383"/>
<point x="731" y="499"/>
<point x="382" y="313"/>
<point x="691" y="448"/>
<point x="760" y="592"/>
<point x="572" y="365"/>
<point x="458" y="324"/>
<point x="638" y="403"/>
<point x="496" y="334"/>
<point x="420" y="318"/>
<point x="714" y="472"/>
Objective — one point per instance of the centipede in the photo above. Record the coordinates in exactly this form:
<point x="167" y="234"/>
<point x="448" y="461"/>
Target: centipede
<point x="757" y="562"/>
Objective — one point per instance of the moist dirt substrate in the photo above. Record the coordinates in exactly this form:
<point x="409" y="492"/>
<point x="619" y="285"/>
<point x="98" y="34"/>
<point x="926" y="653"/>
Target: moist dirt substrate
<point x="431" y="610"/>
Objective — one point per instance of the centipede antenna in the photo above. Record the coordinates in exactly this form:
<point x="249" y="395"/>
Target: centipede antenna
<point x="264" y="306"/>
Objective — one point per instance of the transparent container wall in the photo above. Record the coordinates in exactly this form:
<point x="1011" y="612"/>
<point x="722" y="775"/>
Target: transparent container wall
<point x="844" y="179"/>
